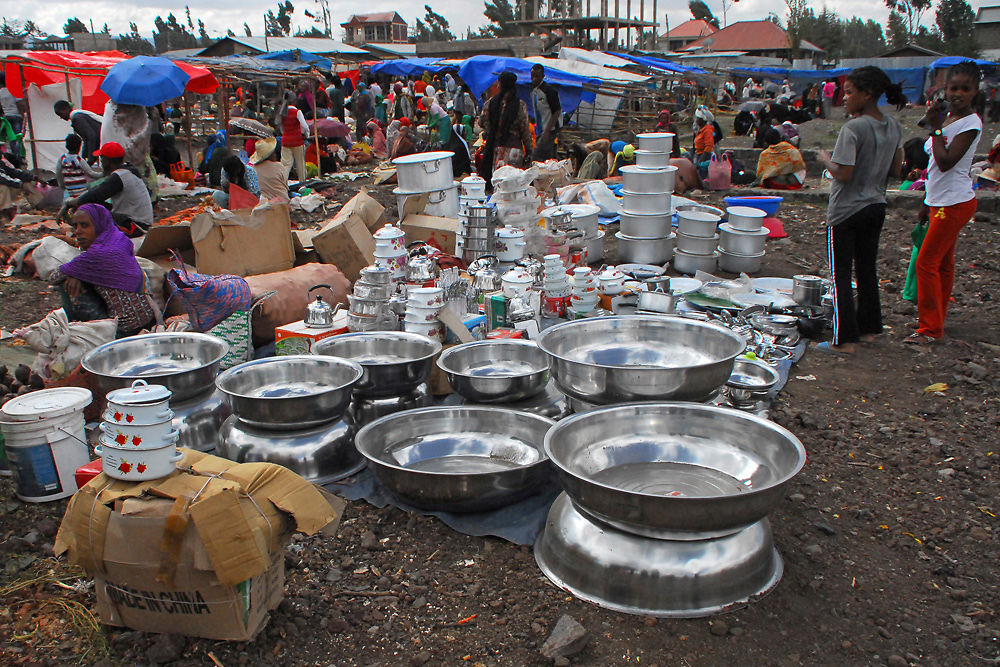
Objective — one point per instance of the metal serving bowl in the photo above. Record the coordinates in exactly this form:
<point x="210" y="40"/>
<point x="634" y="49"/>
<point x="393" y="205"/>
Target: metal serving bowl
<point x="674" y="470"/>
<point x="199" y="419"/>
<point x="496" y="371"/>
<point x="638" y="575"/>
<point x="639" y="358"/>
<point x="185" y="363"/>
<point x="458" y="459"/>
<point x="394" y="362"/>
<point x="321" y="455"/>
<point x="750" y="382"/>
<point x="289" y="393"/>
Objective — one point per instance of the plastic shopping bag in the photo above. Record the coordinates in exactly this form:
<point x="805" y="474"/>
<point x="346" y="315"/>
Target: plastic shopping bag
<point x="910" y="288"/>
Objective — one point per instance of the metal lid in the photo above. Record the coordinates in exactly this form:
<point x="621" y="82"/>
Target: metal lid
<point x="140" y="393"/>
<point x="46" y="403"/>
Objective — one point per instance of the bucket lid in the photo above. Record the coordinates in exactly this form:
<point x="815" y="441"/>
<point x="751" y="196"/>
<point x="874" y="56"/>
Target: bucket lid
<point x="140" y="393"/>
<point x="46" y="403"/>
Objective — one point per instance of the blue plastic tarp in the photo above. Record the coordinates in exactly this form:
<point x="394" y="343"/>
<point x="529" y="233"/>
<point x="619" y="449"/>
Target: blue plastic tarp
<point x="298" y="56"/>
<point x="660" y="64"/>
<point x="408" y="67"/>
<point x="481" y="72"/>
<point x="911" y="79"/>
<point x="951" y="61"/>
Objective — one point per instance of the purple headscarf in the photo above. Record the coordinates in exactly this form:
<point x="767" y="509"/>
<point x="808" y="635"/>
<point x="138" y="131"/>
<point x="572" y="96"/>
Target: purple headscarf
<point x="110" y="259"/>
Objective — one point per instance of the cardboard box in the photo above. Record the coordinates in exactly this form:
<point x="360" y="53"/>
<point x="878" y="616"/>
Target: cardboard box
<point x="437" y="382"/>
<point x="438" y="232"/>
<point x="475" y="323"/>
<point x="161" y="239"/>
<point x="197" y="552"/>
<point x="297" y="338"/>
<point x="347" y="240"/>
<point x="243" y="243"/>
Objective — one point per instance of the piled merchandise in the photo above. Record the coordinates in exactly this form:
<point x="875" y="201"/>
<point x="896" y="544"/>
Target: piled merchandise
<point x="517" y="204"/>
<point x="370" y="301"/>
<point x="646" y="217"/>
<point x="476" y="232"/>
<point x="697" y="239"/>
<point x="390" y="250"/>
<point x="430" y="175"/>
<point x="471" y="190"/>
<point x="742" y="240"/>
<point x="422" y="307"/>
<point x="584" y="296"/>
<point x="555" y="286"/>
<point x="509" y="244"/>
<point x="138" y="440"/>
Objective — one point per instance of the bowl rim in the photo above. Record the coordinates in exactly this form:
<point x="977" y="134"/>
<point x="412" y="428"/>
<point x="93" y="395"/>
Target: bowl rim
<point x="206" y="337"/>
<point x="226" y="374"/>
<point x="648" y="318"/>
<point x="400" y="335"/>
<point x="517" y="414"/>
<point x="768" y="369"/>
<point x="450" y="352"/>
<point x="801" y="458"/>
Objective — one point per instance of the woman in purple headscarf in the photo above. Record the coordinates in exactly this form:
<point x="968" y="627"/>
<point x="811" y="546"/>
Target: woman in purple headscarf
<point x="105" y="279"/>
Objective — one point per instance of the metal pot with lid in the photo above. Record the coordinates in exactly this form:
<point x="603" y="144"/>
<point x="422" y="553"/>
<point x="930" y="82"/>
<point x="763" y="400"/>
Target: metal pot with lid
<point x="320" y="314"/>
<point x="807" y="290"/>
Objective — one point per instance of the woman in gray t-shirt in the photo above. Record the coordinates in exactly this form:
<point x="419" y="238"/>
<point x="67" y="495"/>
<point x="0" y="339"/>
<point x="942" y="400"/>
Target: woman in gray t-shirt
<point x="869" y="148"/>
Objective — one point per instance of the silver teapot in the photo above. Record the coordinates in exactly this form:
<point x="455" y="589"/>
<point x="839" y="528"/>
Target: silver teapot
<point x="320" y="314"/>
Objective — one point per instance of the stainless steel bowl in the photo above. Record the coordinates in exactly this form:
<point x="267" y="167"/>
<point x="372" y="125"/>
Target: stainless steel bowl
<point x="750" y="382"/>
<point x="366" y="290"/>
<point x="496" y="371"/>
<point x="289" y="393"/>
<point x="185" y="363"/>
<point x="636" y="250"/>
<point x="394" y="362"/>
<point x="321" y="455"/>
<point x="458" y="459"/>
<point x="199" y="419"/>
<point x="639" y="358"/>
<point x="364" y="411"/>
<point x="664" y="578"/>
<point x="674" y="470"/>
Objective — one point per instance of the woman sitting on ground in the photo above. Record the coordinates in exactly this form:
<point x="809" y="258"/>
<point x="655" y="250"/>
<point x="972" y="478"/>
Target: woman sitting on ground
<point x="589" y="165"/>
<point x="234" y="172"/>
<point x="105" y="280"/>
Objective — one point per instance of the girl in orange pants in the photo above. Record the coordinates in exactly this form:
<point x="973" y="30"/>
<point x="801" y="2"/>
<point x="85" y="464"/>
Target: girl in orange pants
<point x="936" y="265"/>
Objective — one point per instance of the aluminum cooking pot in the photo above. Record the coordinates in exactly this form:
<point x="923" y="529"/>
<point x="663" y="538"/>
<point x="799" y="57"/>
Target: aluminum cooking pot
<point x="745" y="218"/>
<point x="652" y="159"/>
<point x="658" y="142"/>
<point x="645" y="202"/>
<point x="742" y="242"/>
<point x="424" y="172"/>
<point x="636" y="250"/>
<point x="697" y="245"/>
<point x="645" y="225"/>
<point x="696" y="223"/>
<point x="737" y="263"/>
<point x="637" y="179"/>
<point x="807" y="290"/>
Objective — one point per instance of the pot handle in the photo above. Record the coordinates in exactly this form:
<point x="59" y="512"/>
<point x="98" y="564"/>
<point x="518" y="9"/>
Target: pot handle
<point x="166" y="413"/>
<point x="435" y="163"/>
<point x="441" y="197"/>
<point x="177" y="456"/>
<point x="139" y="383"/>
<point x="99" y="451"/>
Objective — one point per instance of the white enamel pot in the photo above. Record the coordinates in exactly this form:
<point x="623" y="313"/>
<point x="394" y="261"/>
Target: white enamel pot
<point x="141" y="403"/>
<point x="150" y="436"/>
<point x="137" y="465"/>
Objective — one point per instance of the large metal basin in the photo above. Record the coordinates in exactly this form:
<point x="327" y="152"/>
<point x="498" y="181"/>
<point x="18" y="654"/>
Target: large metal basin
<point x="639" y="575"/>
<point x="458" y="459"/>
<point x="677" y="471"/>
<point x="320" y="455"/>
<point x="496" y="371"/>
<point x="640" y="358"/>
<point x="185" y="363"/>
<point x="394" y="362"/>
<point x="289" y="393"/>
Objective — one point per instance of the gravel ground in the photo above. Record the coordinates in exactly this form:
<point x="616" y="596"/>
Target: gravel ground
<point x="888" y="535"/>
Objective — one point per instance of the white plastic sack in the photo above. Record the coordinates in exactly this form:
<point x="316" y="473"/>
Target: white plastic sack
<point x="512" y="179"/>
<point x="309" y="203"/>
<point x="598" y="194"/>
<point x="61" y="344"/>
<point x="50" y="254"/>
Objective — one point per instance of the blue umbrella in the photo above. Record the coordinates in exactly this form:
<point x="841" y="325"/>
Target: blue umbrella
<point x="145" y="81"/>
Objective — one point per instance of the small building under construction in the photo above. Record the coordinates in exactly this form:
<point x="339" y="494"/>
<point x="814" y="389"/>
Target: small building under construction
<point x="579" y="26"/>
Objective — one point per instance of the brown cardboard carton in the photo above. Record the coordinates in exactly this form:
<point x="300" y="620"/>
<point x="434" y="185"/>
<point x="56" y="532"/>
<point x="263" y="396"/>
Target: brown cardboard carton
<point x="438" y="232"/>
<point x="197" y="552"/>
<point x="346" y="240"/>
<point x="243" y="243"/>
<point x="161" y="239"/>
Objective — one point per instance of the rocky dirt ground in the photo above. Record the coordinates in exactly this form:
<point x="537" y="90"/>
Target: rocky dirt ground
<point x="889" y="534"/>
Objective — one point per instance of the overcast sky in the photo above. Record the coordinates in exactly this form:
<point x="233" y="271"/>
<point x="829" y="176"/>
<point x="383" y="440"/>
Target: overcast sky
<point x="222" y="14"/>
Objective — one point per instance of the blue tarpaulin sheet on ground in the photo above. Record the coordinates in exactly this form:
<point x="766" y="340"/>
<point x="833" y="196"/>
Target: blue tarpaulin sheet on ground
<point x="660" y="64"/>
<point x="408" y="67"/>
<point x="298" y="56"/>
<point x="481" y="72"/>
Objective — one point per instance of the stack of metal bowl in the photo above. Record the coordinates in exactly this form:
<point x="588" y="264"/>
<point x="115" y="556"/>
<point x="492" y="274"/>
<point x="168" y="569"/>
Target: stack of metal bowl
<point x="427" y="174"/>
<point x="646" y="235"/>
<point x="607" y="360"/>
<point x="370" y="301"/>
<point x="476" y="232"/>
<point x="741" y="247"/>
<point x="396" y="366"/>
<point x="749" y="384"/>
<point x="665" y="507"/>
<point x="697" y="241"/>
<point x="458" y="459"/>
<point x="184" y="363"/>
<point x="289" y="410"/>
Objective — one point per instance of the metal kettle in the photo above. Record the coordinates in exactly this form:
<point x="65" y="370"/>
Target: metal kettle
<point x="320" y="314"/>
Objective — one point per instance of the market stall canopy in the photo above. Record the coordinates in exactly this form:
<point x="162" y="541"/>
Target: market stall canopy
<point x="951" y="61"/>
<point x="408" y="66"/>
<point x="44" y="68"/>
<point x="202" y="81"/>
<point x="592" y="57"/>
<point x="661" y="64"/>
<point x="144" y="81"/>
<point x="481" y="72"/>
<point x="583" y="68"/>
<point x="298" y="56"/>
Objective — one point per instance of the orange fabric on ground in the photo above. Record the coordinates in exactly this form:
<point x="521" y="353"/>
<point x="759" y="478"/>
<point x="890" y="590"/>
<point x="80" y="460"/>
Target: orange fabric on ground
<point x="936" y="265"/>
<point x="704" y="141"/>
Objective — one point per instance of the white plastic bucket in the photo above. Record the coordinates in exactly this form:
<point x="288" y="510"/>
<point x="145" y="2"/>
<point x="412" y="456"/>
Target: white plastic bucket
<point x="44" y="455"/>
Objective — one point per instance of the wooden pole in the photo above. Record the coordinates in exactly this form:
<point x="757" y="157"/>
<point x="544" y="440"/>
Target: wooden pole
<point x="617" y="14"/>
<point x="628" y="31"/>
<point x="656" y="32"/>
<point x="641" y="39"/>
<point x="187" y="129"/>
<point x="27" y="114"/>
